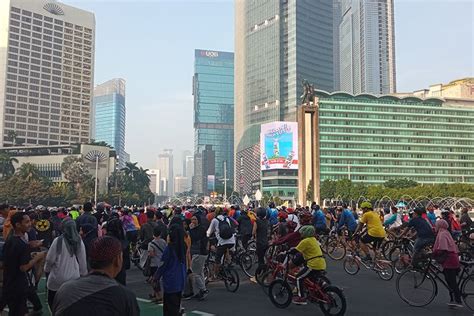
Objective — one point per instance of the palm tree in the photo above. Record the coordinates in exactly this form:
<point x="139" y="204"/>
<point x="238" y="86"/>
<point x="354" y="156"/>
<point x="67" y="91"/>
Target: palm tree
<point x="131" y="169"/>
<point x="6" y="165"/>
<point x="143" y="178"/>
<point x="29" y="172"/>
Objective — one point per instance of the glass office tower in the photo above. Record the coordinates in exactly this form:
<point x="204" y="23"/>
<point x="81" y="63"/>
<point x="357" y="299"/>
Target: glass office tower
<point x="109" y="112"/>
<point x="213" y="91"/>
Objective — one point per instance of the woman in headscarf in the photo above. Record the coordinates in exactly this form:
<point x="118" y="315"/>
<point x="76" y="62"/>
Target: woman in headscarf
<point x="446" y="252"/>
<point x="115" y="229"/>
<point x="66" y="259"/>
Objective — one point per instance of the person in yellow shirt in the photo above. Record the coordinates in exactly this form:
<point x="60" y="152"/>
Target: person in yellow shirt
<point x="314" y="262"/>
<point x="375" y="230"/>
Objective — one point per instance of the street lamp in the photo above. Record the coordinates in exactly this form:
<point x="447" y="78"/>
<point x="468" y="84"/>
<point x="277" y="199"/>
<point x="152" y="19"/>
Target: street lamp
<point x="96" y="156"/>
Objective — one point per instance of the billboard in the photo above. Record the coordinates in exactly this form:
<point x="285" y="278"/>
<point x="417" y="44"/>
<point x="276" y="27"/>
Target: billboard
<point x="279" y="146"/>
<point x="211" y="182"/>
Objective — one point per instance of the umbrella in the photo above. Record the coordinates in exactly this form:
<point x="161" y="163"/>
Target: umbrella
<point x="401" y="204"/>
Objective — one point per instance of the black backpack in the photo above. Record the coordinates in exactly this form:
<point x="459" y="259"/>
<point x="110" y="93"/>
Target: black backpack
<point x="225" y="231"/>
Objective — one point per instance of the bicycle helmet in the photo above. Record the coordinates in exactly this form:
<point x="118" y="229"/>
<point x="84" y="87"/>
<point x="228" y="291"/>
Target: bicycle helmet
<point x="305" y="218"/>
<point x="307" y="231"/>
<point x="366" y="205"/>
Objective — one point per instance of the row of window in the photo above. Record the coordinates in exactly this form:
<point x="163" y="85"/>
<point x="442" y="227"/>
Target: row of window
<point x="382" y="179"/>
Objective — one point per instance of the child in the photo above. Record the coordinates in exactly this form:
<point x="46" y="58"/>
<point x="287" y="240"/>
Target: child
<point x="314" y="262"/>
<point x="155" y="251"/>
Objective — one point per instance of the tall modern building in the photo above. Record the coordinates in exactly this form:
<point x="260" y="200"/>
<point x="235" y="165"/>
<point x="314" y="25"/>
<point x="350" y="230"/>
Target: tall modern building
<point x="213" y="91"/>
<point x="46" y="73"/>
<point x="189" y="170"/>
<point x="165" y="165"/>
<point x="367" y="47"/>
<point x="155" y="181"/>
<point x="109" y="116"/>
<point x="277" y="45"/>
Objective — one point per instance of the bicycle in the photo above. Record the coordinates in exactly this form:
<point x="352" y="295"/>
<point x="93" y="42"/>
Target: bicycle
<point x="353" y="261"/>
<point x="331" y="299"/>
<point x="418" y="286"/>
<point x="335" y="246"/>
<point x="226" y="272"/>
<point x="136" y="253"/>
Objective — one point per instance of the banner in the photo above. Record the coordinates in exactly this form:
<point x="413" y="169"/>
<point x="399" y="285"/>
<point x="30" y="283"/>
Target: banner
<point x="279" y="145"/>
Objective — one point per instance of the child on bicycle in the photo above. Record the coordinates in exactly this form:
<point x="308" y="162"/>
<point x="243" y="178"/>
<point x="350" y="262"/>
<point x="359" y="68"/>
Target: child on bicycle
<point x="308" y="253"/>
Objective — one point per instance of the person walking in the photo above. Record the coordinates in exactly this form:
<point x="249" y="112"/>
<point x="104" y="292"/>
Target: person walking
<point x="66" y="259"/>
<point x="115" y="229"/>
<point x="155" y="251"/>
<point x="446" y="252"/>
<point x="172" y="271"/>
<point x="197" y="232"/>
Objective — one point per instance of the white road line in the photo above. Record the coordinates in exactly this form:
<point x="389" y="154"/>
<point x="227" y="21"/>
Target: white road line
<point x="143" y="300"/>
<point x="201" y="313"/>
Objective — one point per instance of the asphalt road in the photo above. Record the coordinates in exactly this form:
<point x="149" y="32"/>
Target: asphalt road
<point x="365" y="292"/>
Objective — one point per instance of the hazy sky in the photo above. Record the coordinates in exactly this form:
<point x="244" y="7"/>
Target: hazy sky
<point x="150" y="43"/>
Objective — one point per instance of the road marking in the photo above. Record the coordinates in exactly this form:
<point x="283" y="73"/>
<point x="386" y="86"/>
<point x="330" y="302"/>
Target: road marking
<point x="143" y="300"/>
<point x="201" y="313"/>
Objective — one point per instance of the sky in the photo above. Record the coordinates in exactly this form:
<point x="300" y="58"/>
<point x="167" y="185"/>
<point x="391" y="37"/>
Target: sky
<point x="151" y="43"/>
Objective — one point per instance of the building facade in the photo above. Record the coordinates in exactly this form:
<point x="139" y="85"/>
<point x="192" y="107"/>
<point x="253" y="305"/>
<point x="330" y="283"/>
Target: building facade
<point x="204" y="171"/>
<point x="155" y="181"/>
<point x="373" y="139"/>
<point x="46" y="73"/>
<point x="213" y="91"/>
<point x="367" y="47"/>
<point x="109" y="116"/>
<point x="48" y="160"/>
<point x="165" y="165"/>
<point x="278" y="44"/>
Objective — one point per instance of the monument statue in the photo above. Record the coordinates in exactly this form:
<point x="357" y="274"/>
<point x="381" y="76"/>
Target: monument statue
<point x="308" y="93"/>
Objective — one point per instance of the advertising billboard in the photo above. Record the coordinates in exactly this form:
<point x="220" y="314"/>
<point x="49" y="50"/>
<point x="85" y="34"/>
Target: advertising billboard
<point x="279" y="146"/>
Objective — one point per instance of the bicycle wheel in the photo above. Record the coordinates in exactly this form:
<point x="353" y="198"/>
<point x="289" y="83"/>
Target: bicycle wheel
<point x="336" y="249"/>
<point x="394" y="253"/>
<point x="386" y="247"/>
<point x="231" y="279"/>
<point x="467" y="292"/>
<point x="267" y="279"/>
<point x="415" y="288"/>
<point x="247" y="264"/>
<point x="336" y="302"/>
<point x="280" y="293"/>
<point x="385" y="270"/>
<point x="207" y="273"/>
<point x="351" y="266"/>
<point x="402" y="263"/>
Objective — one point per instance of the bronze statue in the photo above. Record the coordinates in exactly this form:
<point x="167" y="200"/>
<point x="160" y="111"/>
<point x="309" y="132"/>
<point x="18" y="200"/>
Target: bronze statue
<point x="308" y="93"/>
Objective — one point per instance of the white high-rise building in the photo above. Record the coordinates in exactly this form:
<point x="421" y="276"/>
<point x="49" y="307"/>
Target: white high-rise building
<point x="155" y="181"/>
<point x="46" y="73"/>
<point x="189" y="163"/>
<point x="367" y="47"/>
<point x="165" y="165"/>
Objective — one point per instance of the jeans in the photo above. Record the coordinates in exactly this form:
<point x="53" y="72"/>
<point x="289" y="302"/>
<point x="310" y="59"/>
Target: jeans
<point x="197" y="277"/>
<point x="171" y="304"/>
<point x="421" y="243"/>
<point x="450" y="276"/>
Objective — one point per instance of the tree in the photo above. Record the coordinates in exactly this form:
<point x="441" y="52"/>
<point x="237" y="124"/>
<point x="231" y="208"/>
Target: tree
<point x="29" y="172"/>
<point x="309" y="192"/>
<point x="328" y="189"/>
<point x="400" y="183"/>
<point x="6" y="165"/>
<point x="99" y="143"/>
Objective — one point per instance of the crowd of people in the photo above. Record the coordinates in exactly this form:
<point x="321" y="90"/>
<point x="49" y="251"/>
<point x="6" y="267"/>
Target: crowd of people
<point x="88" y="251"/>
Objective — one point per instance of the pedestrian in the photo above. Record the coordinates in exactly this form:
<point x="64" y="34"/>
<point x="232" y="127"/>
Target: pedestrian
<point x="245" y="228"/>
<point x="18" y="262"/>
<point x="66" y="259"/>
<point x="198" y="253"/>
<point x="87" y="218"/>
<point x="115" y="229"/>
<point x="260" y="233"/>
<point x="173" y="271"/>
<point x="466" y="221"/>
<point x="155" y="251"/>
<point x="98" y="293"/>
<point x="446" y="252"/>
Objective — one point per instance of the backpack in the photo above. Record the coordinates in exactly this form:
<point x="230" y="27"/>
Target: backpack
<point x="225" y="231"/>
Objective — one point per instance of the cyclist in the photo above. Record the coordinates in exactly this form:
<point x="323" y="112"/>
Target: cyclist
<point x="375" y="231"/>
<point x="393" y="220"/>
<point x="310" y="253"/>
<point x="222" y="227"/>
<point x="346" y="218"/>
<point x="424" y="232"/>
<point x="319" y="221"/>
<point x="292" y="239"/>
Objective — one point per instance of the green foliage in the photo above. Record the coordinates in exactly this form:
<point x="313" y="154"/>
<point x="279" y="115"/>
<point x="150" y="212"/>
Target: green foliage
<point x="400" y="183"/>
<point x="6" y="165"/>
<point x="309" y="192"/>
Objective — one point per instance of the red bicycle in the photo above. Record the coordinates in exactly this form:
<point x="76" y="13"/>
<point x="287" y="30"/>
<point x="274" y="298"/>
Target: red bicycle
<point x="331" y="299"/>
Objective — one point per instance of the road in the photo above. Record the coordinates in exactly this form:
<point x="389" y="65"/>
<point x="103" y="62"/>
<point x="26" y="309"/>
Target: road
<point x="366" y="294"/>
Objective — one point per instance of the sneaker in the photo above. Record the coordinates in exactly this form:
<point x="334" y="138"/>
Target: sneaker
<point x="187" y="297"/>
<point x="201" y="295"/>
<point x="455" y="305"/>
<point x="298" y="300"/>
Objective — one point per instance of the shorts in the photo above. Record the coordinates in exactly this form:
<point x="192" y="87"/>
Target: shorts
<point x="322" y="231"/>
<point x="375" y="241"/>
<point x="221" y="250"/>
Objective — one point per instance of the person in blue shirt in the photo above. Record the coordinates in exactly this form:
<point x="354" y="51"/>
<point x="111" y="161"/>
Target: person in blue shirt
<point x="346" y="218"/>
<point x="431" y="215"/>
<point x="173" y="270"/>
<point x="319" y="221"/>
<point x="272" y="214"/>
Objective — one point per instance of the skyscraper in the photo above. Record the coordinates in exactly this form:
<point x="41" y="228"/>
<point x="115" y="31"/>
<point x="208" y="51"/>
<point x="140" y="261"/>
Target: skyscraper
<point x="367" y="47"/>
<point x="213" y="91"/>
<point x="109" y="116"/>
<point x="278" y="44"/>
<point x="46" y="73"/>
<point x="165" y="165"/>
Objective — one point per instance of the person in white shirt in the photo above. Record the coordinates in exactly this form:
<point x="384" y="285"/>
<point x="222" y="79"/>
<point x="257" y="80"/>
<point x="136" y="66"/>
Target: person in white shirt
<point x="225" y="240"/>
<point x="66" y="259"/>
